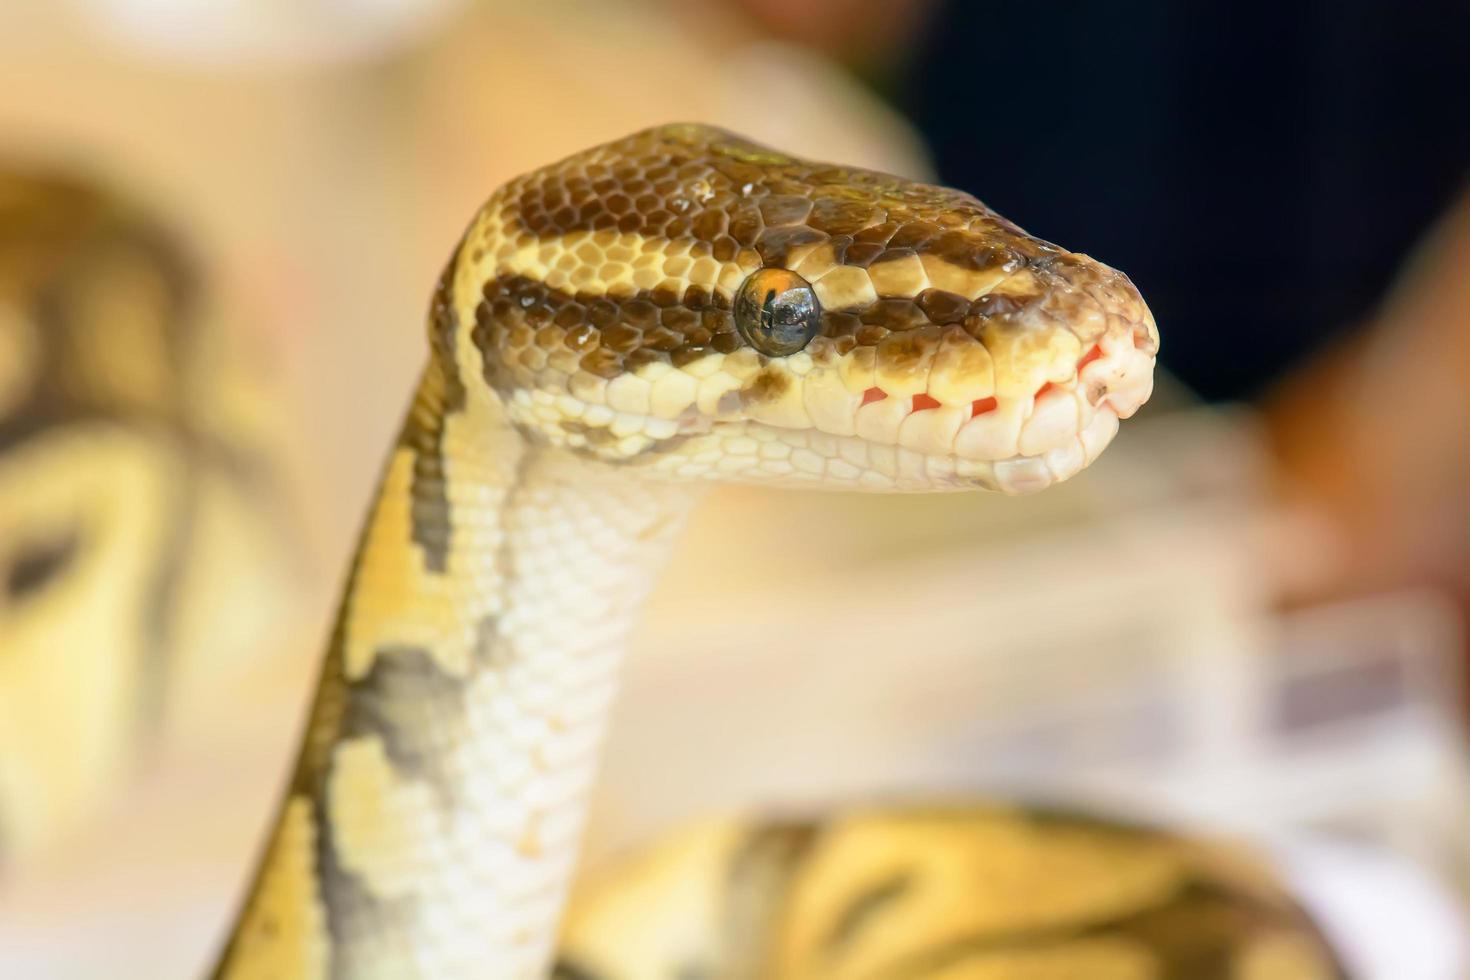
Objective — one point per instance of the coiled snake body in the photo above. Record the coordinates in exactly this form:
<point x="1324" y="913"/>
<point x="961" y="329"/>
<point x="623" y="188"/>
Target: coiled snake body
<point x="613" y="332"/>
<point x="127" y="486"/>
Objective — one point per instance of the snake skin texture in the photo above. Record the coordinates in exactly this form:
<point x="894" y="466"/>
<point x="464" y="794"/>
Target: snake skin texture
<point x="939" y="894"/>
<point x="593" y="364"/>
<point x="120" y="486"/>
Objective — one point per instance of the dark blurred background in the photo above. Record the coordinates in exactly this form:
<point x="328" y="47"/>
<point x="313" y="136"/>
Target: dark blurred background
<point x="1261" y="170"/>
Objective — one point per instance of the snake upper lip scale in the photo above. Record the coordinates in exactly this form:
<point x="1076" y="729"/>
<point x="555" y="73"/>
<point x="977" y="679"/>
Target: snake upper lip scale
<point x="614" y="332"/>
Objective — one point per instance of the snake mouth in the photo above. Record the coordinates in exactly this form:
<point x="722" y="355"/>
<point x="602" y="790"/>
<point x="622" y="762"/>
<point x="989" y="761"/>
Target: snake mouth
<point x="817" y="421"/>
<point x="1017" y="418"/>
<point x="1016" y="443"/>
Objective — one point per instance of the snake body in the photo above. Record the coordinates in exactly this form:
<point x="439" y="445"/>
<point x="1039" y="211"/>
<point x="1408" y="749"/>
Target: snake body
<point x="122" y="491"/>
<point x="613" y="332"/>
<point x="929" y="893"/>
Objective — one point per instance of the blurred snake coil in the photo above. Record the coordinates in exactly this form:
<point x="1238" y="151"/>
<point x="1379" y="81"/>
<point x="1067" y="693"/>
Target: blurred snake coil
<point x="140" y="539"/>
<point x="613" y="333"/>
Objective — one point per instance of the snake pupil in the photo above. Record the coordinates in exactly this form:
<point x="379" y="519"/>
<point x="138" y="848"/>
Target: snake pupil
<point x="768" y="310"/>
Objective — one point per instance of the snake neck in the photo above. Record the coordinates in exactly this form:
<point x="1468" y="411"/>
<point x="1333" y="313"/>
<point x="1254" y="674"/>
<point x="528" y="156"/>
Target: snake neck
<point x="432" y="823"/>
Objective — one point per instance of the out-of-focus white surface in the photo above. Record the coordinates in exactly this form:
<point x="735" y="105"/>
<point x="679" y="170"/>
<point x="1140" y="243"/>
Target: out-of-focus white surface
<point x="1389" y="920"/>
<point x="262" y="31"/>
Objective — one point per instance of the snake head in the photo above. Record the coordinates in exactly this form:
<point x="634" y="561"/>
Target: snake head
<point x="699" y="306"/>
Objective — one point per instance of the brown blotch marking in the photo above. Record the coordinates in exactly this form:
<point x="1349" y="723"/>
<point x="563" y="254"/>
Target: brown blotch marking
<point x="644" y="356"/>
<point x="415" y="708"/>
<point x="602" y="313"/>
<point x="863" y="254"/>
<point x="664" y="297"/>
<point x="622" y="338"/>
<point x="838" y="216"/>
<point x="443" y="331"/>
<point x="663" y="340"/>
<point x="1203" y="932"/>
<point x="746" y="226"/>
<point x="38" y="562"/>
<point x="487" y="638"/>
<point x="838" y="245"/>
<point x="760" y="876"/>
<point x="963" y="249"/>
<point x="914" y="235"/>
<point x="994" y="304"/>
<point x="1196" y="934"/>
<point x="943" y="307"/>
<point x="841" y="325"/>
<point x="879" y="234"/>
<point x="689" y="353"/>
<point x="894" y="314"/>
<point x="431" y="522"/>
<point x="596" y="436"/>
<point x="685" y="322"/>
<point x="565" y="969"/>
<point x="768" y="385"/>
<point x="864" y="907"/>
<point x="569" y="317"/>
<point x="613" y="334"/>
<point x="709" y="225"/>
<point x="908" y="351"/>
<point x="640" y="312"/>
<point x="775" y="244"/>
<point x="359" y="922"/>
<point x="729" y="192"/>
<point x="1197" y="931"/>
<point x="726" y="342"/>
<point x="603" y="362"/>
<point x="581" y="338"/>
<point x="785" y="209"/>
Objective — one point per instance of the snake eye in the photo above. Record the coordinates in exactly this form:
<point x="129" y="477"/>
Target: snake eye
<point x="777" y="312"/>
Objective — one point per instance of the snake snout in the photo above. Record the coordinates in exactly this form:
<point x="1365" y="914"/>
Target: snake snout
<point x="1022" y="392"/>
<point x="1069" y="365"/>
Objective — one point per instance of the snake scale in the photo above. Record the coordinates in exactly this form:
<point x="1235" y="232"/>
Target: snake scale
<point x="612" y="333"/>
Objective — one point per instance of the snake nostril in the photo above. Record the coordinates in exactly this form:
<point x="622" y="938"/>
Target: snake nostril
<point x="982" y="405"/>
<point x="874" y="395"/>
<point x="924" y="402"/>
